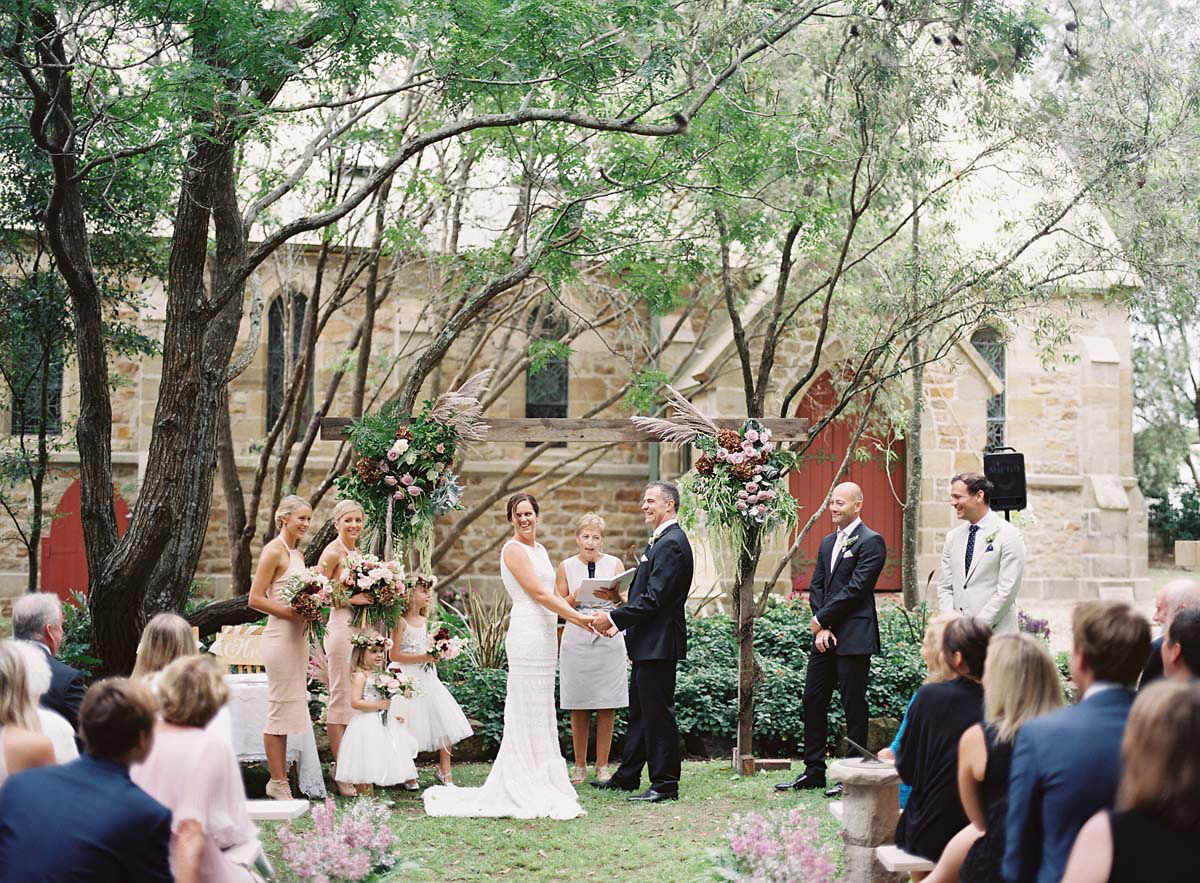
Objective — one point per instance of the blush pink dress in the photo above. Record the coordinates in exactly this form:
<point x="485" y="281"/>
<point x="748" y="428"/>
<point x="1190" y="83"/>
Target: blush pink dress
<point x="338" y="633"/>
<point x="285" y="655"/>
<point x="193" y="773"/>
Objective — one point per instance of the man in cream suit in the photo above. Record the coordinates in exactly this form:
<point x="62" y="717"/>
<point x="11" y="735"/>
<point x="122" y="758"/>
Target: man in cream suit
<point x="983" y="558"/>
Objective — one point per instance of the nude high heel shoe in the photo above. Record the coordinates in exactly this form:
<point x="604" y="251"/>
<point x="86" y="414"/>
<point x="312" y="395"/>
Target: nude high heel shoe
<point x="279" y="789"/>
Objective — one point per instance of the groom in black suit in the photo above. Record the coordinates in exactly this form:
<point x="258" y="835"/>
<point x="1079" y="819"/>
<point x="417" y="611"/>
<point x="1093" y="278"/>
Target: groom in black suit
<point x="656" y="639"/>
<point x="845" y="631"/>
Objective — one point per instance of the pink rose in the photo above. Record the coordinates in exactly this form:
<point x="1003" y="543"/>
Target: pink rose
<point x="751" y="488"/>
<point x="722" y="454"/>
<point x="389" y="480"/>
<point x="766" y="435"/>
<point x="399" y="495"/>
<point x="742" y="505"/>
<point x="407" y="479"/>
<point x="441" y="449"/>
<point x="748" y="447"/>
<point x="760" y="510"/>
<point x="393" y="454"/>
<point x="768" y="447"/>
<point x="414" y="490"/>
<point x="753" y="498"/>
<point x="751" y="435"/>
<point x="770" y="495"/>
<point x="742" y="495"/>
<point x="737" y="457"/>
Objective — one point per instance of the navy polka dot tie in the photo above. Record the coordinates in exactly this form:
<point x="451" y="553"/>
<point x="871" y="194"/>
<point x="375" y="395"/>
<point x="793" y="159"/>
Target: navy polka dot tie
<point x="970" y="546"/>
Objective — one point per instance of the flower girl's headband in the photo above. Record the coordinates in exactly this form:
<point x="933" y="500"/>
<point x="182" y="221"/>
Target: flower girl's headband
<point x="420" y="579"/>
<point x="365" y="639"/>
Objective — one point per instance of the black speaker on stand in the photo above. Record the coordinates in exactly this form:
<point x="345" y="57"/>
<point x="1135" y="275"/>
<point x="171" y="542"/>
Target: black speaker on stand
<point x="1005" y="469"/>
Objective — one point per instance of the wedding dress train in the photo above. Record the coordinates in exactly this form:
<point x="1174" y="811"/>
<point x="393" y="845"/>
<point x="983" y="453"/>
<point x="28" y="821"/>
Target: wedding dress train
<point x="529" y="778"/>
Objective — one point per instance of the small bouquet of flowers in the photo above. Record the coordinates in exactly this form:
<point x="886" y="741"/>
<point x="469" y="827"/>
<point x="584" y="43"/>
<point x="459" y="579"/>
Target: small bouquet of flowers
<point x="381" y="580"/>
<point x="309" y="594"/>
<point x="443" y="646"/>
<point x="392" y="683"/>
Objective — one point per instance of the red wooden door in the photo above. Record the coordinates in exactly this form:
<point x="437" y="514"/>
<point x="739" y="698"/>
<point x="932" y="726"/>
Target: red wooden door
<point x="64" y="563"/>
<point x="882" y="484"/>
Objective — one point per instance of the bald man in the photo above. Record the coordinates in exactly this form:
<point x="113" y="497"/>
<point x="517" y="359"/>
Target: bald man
<point x="982" y="559"/>
<point x="1178" y="594"/>
<point x="845" y="631"/>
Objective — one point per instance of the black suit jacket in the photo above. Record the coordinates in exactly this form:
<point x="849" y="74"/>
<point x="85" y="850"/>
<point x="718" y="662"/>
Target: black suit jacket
<point x="843" y="600"/>
<point x="653" y="617"/>
<point x="66" y="688"/>
<point x="1154" y="664"/>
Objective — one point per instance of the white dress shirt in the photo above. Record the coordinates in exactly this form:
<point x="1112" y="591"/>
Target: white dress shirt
<point x="839" y="542"/>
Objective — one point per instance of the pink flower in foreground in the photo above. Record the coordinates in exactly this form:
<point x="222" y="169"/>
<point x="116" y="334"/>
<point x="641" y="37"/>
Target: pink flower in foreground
<point x="414" y="490"/>
<point x="751" y="435"/>
<point x="389" y="480"/>
<point x="441" y="449"/>
<point x="406" y="479"/>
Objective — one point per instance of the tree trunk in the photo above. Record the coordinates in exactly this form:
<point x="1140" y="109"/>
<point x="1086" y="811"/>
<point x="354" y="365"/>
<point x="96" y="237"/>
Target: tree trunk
<point x="235" y="504"/>
<point x="914" y="473"/>
<point x="748" y="673"/>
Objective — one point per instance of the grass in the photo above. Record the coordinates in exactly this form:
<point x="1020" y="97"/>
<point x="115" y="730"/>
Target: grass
<point x="665" y="843"/>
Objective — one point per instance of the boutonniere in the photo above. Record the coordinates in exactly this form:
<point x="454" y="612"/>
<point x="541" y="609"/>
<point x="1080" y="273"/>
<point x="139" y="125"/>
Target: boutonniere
<point x="850" y="542"/>
<point x="989" y="539"/>
<point x="653" y="540"/>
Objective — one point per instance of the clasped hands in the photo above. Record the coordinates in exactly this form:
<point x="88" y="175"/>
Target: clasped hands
<point x="823" y="638"/>
<point x="601" y="624"/>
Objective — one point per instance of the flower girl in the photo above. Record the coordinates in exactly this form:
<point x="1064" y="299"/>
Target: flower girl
<point x="372" y="754"/>
<point x="433" y="716"/>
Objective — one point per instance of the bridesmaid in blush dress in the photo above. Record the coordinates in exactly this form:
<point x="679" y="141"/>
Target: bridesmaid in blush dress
<point x="348" y="518"/>
<point x="284" y="643"/>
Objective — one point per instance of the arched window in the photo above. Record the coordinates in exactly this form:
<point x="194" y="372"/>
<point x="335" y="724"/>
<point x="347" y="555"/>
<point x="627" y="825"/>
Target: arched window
<point x="990" y="345"/>
<point x="27" y="396"/>
<point x="285" y="321"/>
<point x="546" y="381"/>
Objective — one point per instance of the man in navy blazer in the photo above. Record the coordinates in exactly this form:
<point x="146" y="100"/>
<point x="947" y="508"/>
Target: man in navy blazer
<point x="655" y="639"/>
<point x="1066" y="764"/>
<point x="38" y="618"/>
<point x="845" y="631"/>
<point x="86" y="821"/>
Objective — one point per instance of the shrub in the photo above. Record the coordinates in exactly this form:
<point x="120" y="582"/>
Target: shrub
<point x="782" y="846"/>
<point x="76" y="648"/>
<point x="346" y="846"/>
<point x="1176" y="522"/>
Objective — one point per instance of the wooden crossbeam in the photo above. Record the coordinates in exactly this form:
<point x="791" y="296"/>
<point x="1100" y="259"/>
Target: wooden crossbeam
<point x="583" y="429"/>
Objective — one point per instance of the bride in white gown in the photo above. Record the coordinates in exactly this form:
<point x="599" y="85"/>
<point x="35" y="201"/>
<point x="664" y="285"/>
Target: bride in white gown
<point x="529" y="778"/>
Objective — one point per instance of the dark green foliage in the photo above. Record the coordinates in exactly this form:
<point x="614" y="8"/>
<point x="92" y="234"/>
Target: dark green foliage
<point x="76" y="647"/>
<point x="1177" y="522"/>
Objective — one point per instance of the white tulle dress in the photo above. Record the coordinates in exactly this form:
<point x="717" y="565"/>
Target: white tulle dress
<point x="374" y="754"/>
<point x="433" y="717"/>
<point x="529" y="778"/>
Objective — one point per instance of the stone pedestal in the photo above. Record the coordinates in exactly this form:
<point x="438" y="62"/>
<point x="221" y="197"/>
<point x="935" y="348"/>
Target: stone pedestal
<point x="871" y="809"/>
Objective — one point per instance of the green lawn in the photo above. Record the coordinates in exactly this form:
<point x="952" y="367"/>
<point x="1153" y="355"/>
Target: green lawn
<point x="666" y="842"/>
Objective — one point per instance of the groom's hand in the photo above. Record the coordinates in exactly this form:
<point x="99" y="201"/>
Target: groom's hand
<point x="602" y="624"/>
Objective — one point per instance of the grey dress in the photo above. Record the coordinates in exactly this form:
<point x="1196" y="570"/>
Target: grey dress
<point x="592" y="672"/>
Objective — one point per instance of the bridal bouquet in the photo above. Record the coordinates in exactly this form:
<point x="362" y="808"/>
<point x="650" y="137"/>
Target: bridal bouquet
<point x="443" y="646"/>
<point x="383" y="581"/>
<point x="310" y="595"/>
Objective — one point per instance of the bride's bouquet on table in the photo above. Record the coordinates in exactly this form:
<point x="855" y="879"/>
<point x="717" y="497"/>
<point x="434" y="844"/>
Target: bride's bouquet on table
<point x="309" y="594"/>
<point x="382" y="581"/>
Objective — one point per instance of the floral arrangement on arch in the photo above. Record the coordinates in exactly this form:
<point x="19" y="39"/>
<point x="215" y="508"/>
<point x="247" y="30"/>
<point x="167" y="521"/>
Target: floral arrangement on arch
<point x="402" y="475"/>
<point x="738" y="481"/>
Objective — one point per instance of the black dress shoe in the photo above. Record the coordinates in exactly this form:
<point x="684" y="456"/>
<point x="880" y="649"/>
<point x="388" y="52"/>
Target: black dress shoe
<point x="834" y="790"/>
<point x="612" y="785"/>
<point x="805" y="780"/>
<point x="652" y="796"/>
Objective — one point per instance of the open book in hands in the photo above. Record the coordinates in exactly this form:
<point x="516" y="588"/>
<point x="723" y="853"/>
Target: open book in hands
<point x="587" y="588"/>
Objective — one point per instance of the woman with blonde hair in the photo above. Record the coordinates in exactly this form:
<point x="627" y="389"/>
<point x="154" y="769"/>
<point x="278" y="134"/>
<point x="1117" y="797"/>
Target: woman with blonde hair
<point x="1153" y="831"/>
<point x="165" y="638"/>
<point x="1020" y="683"/>
<point x="195" y="775"/>
<point x="284" y="640"/>
<point x="23" y="746"/>
<point x="53" y="724"/>
<point x="348" y="520"/>
<point x="592" y="675"/>
<point x="936" y="672"/>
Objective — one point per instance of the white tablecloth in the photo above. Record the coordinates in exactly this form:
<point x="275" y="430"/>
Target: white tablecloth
<point x="248" y="716"/>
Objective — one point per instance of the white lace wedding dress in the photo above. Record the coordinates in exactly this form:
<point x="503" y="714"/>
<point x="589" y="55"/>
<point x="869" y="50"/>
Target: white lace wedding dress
<point x="529" y="778"/>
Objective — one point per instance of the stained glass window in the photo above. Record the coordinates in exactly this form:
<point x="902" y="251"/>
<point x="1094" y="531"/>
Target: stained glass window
<point x="990" y="345"/>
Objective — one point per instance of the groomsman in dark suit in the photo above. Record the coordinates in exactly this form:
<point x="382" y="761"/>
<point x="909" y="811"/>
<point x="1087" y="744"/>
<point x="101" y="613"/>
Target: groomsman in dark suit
<point x="845" y="631"/>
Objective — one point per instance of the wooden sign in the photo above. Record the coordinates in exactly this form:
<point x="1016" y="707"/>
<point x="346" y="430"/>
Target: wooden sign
<point x="583" y="429"/>
<point x="239" y="647"/>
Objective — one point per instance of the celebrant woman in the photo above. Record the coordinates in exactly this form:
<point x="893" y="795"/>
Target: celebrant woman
<point x="591" y="668"/>
<point x="284" y="641"/>
<point x="347" y="518"/>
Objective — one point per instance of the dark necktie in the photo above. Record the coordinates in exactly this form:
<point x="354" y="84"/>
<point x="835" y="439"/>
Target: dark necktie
<point x="970" y="546"/>
<point x="591" y="569"/>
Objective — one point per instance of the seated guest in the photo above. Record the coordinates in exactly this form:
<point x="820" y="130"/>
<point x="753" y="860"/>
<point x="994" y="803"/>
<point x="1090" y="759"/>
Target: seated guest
<point x="1153" y="833"/>
<point x="22" y="744"/>
<point x="931" y="652"/>
<point x="165" y="638"/>
<point x="86" y="821"/>
<point x="38" y="618"/>
<point x="1020" y="682"/>
<point x="1181" y="645"/>
<point x="193" y="773"/>
<point x="54" y="725"/>
<point x="928" y="758"/>
<point x="1066" y="764"/>
<point x="1178" y="594"/>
